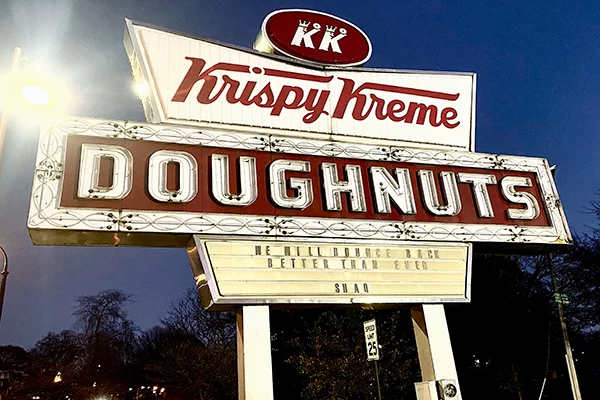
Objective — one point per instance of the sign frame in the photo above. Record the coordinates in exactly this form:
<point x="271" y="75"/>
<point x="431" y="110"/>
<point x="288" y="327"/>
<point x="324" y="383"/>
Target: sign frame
<point x="47" y="219"/>
<point x="212" y="299"/>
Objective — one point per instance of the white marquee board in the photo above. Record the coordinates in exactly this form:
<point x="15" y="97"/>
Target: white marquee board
<point x="333" y="272"/>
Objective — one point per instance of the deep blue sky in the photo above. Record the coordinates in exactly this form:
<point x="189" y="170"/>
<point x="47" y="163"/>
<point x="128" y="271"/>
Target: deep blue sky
<point x="538" y="94"/>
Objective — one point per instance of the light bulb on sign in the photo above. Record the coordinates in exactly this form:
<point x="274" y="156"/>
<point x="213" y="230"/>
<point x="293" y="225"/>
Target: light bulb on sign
<point x="141" y="88"/>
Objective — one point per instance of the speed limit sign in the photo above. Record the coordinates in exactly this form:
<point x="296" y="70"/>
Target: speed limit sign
<point x="371" y="340"/>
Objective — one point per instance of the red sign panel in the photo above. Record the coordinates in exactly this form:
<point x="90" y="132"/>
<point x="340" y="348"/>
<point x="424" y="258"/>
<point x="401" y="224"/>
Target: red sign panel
<point x="316" y="37"/>
<point x="205" y="201"/>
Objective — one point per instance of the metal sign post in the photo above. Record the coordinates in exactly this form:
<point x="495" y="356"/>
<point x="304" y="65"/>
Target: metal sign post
<point x="560" y="299"/>
<point x="372" y="348"/>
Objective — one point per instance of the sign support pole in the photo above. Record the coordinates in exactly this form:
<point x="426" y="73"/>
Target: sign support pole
<point x="255" y="373"/>
<point x="377" y="377"/>
<point x="565" y="331"/>
<point x="434" y="348"/>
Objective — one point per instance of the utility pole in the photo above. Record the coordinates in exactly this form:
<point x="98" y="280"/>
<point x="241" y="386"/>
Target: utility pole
<point x="563" y="324"/>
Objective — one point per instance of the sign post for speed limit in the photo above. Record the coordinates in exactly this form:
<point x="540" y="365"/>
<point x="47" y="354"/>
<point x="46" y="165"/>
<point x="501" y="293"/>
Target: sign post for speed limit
<point x="372" y="348"/>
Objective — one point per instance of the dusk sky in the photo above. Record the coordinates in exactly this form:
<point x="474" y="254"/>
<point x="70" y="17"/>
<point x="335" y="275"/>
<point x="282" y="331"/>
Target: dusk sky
<point x="538" y="94"/>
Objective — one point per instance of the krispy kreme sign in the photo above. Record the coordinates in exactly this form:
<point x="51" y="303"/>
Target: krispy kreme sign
<point x="354" y="98"/>
<point x="112" y="176"/>
<point x="194" y="81"/>
<point x="304" y="182"/>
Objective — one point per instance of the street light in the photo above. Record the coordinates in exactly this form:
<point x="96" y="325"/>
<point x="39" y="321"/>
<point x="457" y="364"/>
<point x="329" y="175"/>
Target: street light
<point x="25" y="90"/>
<point x="14" y="67"/>
<point x="4" y="274"/>
<point x="35" y="95"/>
<point x="30" y="90"/>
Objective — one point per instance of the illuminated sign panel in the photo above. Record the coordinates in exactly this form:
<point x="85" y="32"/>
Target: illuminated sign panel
<point x="292" y="183"/>
<point x="113" y="176"/>
<point x="196" y="82"/>
<point x="348" y="272"/>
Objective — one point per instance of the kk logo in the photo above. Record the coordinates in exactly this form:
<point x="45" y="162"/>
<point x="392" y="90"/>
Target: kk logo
<point x="304" y="36"/>
<point x="314" y="37"/>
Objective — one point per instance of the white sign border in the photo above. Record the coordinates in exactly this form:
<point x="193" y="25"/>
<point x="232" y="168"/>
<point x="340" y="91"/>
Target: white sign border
<point x="205" y="277"/>
<point x="45" y="212"/>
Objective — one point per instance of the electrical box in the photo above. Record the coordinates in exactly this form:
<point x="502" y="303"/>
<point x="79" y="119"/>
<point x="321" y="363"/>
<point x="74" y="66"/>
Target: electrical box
<point x="447" y="389"/>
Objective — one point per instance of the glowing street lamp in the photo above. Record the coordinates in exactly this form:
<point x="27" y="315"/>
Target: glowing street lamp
<point x="34" y="92"/>
<point x="30" y="90"/>
<point x="36" y="95"/>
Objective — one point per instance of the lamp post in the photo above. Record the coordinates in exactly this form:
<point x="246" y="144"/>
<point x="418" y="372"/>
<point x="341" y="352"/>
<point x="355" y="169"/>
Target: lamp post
<point x="14" y="67"/>
<point x="4" y="274"/>
<point x="29" y="89"/>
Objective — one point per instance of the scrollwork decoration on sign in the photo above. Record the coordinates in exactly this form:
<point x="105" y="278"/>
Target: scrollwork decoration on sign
<point x="46" y="213"/>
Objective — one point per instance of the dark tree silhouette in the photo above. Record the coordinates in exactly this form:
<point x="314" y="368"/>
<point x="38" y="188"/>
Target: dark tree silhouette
<point x="193" y="353"/>
<point x="109" y="339"/>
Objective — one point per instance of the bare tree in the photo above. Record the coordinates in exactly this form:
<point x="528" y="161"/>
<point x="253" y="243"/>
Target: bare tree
<point x="189" y="317"/>
<point x="59" y="352"/>
<point x="193" y="353"/>
<point x="107" y="332"/>
<point x="102" y="312"/>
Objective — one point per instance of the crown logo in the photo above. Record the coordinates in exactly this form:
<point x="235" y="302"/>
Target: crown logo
<point x="330" y="29"/>
<point x="303" y="24"/>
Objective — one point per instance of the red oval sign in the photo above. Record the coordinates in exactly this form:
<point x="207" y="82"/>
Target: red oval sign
<point x="316" y="37"/>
